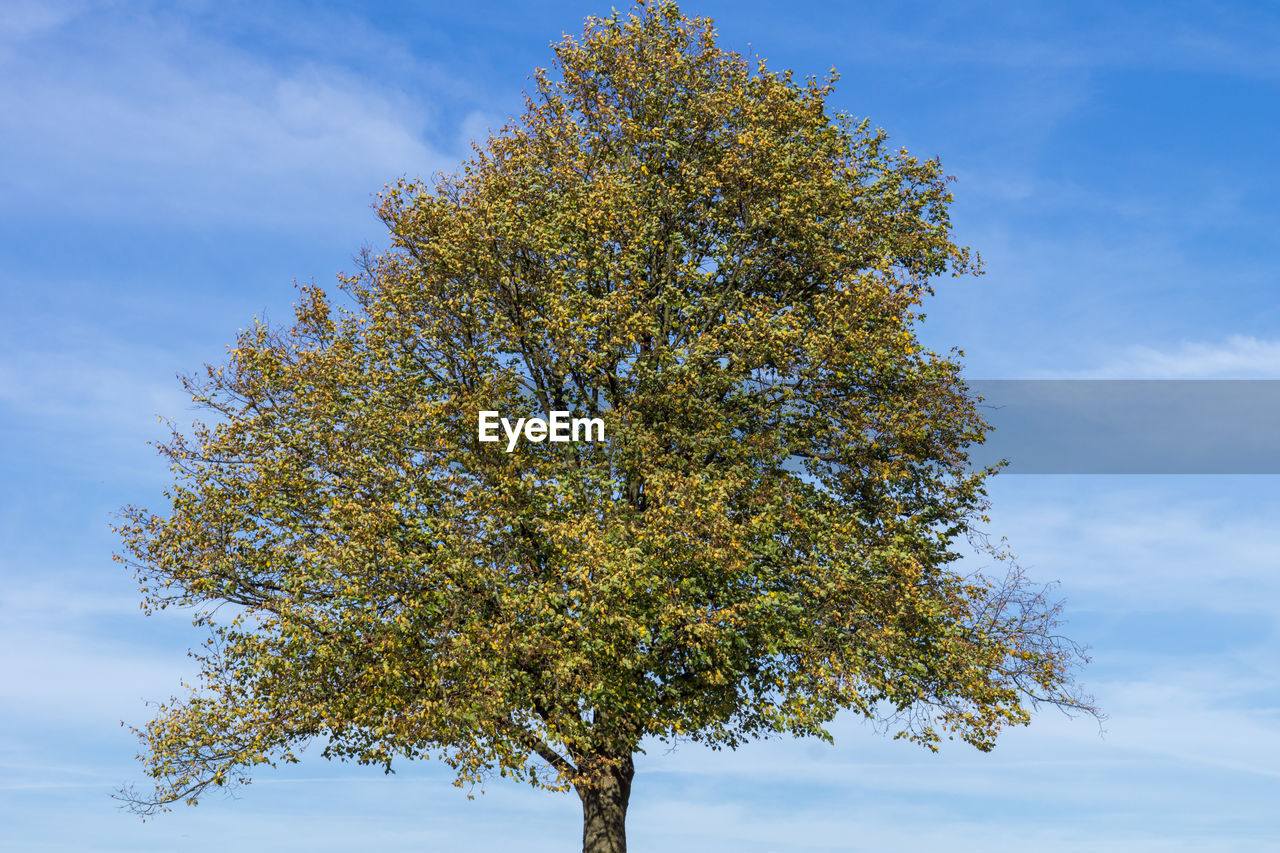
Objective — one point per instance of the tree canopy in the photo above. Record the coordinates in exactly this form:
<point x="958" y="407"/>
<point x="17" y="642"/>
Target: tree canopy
<point x="696" y="250"/>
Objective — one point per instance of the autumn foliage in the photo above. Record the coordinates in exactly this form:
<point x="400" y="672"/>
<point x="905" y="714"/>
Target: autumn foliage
<point x="696" y="250"/>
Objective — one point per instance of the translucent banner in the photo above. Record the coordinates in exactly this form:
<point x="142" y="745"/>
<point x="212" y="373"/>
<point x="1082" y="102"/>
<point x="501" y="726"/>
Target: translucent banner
<point x="1131" y="426"/>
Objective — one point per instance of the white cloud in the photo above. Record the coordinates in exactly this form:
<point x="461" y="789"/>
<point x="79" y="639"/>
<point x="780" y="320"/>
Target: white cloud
<point x="1237" y="357"/>
<point x="478" y="126"/>
<point x="144" y="120"/>
<point x="1207" y="545"/>
<point x="81" y="409"/>
<point x="88" y="393"/>
<point x="1035" y="38"/>
<point x="22" y="19"/>
<point x="86" y="680"/>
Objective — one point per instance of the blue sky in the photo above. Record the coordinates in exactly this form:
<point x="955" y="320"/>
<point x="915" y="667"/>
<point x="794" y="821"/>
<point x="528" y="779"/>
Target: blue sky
<point x="166" y="173"/>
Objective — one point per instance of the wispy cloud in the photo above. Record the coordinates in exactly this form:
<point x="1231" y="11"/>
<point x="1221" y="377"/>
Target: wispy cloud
<point x="93" y="408"/>
<point x="1192" y="544"/>
<point x="23" y="19"/>
<point x="1238" y="40"/>
<point x="89" y="393"/>
<point x="1236" y="357"/>
<point x="145" y="119"/>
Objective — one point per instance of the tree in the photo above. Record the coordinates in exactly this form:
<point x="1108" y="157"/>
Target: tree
<point x="693" y="250"/>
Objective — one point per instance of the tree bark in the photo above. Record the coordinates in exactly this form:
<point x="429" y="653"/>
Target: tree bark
<point x="604" y="809"/>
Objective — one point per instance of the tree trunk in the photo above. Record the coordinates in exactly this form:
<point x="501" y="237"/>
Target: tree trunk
<point x="604" y="809"/>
